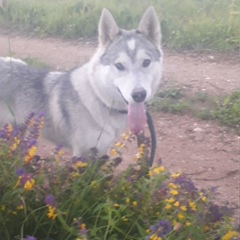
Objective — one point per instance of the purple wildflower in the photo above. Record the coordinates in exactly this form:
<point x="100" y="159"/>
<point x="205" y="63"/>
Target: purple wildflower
<point x="214" y="213"/>
<point x="29" y="118"/>
<point x="20" y="172"/>
<point x="117" y="161"/>
<point x="30" y="238"/>
<point x="78" y="159"/>
<point x="160" y="229"/>
<point x="58" y="148"/>
<point x="16" y="131"/>
<point x="50" y="201"/>
<point x="24" y="178"/>
<point x="185" y="183"/>
<point x="6" y="132"/>
<point x="30" y="143"/>
<point x="83" y="230"/>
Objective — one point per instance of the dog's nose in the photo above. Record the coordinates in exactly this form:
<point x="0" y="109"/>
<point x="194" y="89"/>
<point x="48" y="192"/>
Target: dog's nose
<point x="139" y="94"/>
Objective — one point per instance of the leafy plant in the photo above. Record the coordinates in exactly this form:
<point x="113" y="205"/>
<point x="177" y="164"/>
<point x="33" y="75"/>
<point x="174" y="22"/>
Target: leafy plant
<point x="84" y="198"/>
<point x="228" y="110"/>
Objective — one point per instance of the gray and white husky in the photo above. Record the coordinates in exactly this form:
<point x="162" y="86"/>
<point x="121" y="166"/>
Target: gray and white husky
<point x="90" y="106"/>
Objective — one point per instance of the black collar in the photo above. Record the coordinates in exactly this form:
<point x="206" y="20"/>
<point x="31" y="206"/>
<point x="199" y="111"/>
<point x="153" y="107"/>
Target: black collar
<point x="122" y="111"/>
<point x="112" y="109"/>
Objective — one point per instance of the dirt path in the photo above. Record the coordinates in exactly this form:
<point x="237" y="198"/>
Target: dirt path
<point x="208" y="153"/>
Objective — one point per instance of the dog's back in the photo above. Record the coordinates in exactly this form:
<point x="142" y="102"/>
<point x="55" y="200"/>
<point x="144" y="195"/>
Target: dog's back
<point x="18" y="86"/>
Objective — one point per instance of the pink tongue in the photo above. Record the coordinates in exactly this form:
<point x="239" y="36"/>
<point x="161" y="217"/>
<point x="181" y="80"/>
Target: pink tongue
<point x="136" y="117"/>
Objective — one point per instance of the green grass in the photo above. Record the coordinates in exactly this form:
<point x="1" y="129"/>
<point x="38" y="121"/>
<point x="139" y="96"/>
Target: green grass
<point x="188" y="24"/>
<point x="223" y="109"/>
<point x="84" y="200"/>
<point x="35" y="62"/>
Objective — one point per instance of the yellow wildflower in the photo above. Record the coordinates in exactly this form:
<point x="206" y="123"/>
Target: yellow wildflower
<point x="32" y="151"/>
<point x="168" y="206"/>
<point x="13" y="147"/>
<point x="206" y="228"/>
<point x="124" y="219"/>
<point x="75" y="174"/>
<point x="82" y="226"/>
<point x="174" y="222"/>
<point x="156" y="171"/>
<point x="127" y="200"/>
<point x="204" y="199"/>
<point x="135" y="158"/>
<point x="173" y="192"/>
<point x="9" y="128"/>
<point x="20" y="207"/>
<point x="94" y="184"/>
<point x="180" y="216"/>
<point x="176" y="204"/>
<point x="51" y="212"/>
<point x="29" y="184"/>
<point x="125" y="136"/>
<point x="159" y="170"/>
<point x="187" y="224"/>
<point x="155" y="237"/>
<point x="173" y="186"/>
<point x="116" y="205"/>
<point x="3" y="208"/>
<point x="192" y="205"/>
<point x="135" y="203"/>
<point x="230" y="235"/>
<point x="150" y="173"/>
<point x="113" y="152"/>
<point x="117" y="144"/>
<point x="80" y="164"/>
<point x="176" y="175"/>
<point x="183" y="208"/>
<point x="170" y="200"/>
<point x="122" y="146"/>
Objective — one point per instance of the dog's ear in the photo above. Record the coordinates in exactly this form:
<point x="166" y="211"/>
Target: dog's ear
<point x="149" y="26"/>
<point x="107" y="28"/>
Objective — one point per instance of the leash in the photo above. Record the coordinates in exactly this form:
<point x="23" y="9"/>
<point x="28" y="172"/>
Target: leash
<point x="153" y="138"/>
<point x="142" y="139"/>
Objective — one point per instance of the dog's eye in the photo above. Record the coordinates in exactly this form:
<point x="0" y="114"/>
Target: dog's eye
<point x="119" y="66"/>
<point x="146" y="63"/>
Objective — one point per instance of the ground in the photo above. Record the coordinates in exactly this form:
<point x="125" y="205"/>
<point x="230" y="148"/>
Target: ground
<point x="207" y="152"/>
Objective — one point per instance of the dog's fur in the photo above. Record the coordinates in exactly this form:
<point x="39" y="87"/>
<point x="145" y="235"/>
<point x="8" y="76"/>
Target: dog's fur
<point x="87" y="107"/>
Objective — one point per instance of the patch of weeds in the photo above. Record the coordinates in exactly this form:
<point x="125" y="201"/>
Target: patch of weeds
<point x="170" y="100"/>
<point x="172" y="93"/>
<point x="170" y="106"/>
<point x="35" y="62"/>
<point x="227" y="110"/>
<point x="83" y="199"/>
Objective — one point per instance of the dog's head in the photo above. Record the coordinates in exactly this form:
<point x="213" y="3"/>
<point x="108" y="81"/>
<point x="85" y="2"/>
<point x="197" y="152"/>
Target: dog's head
<point x="134" y="57"/>
<point x="131" y="61"/>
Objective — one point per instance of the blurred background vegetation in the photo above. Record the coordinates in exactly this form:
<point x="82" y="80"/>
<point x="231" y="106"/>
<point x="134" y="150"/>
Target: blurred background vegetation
<point x="198" y="25"/>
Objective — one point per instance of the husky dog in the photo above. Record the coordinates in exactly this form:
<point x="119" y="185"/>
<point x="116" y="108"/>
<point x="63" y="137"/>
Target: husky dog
<point x="90" y="106"/>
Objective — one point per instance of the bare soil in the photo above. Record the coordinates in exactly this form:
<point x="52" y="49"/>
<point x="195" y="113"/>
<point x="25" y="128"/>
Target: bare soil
<point x="207" y="152"/>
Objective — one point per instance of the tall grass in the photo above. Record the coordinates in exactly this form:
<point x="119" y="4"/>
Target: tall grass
<point x="187" y="24"/>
